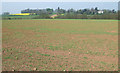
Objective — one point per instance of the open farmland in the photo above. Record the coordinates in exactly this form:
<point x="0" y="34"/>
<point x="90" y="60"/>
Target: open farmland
<point x="58" y="44"/>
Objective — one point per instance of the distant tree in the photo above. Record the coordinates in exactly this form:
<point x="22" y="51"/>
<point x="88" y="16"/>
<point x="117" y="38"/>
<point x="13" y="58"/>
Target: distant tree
<point x="49" y="11"/>
<point x="119" y="15"/>
<point x="74" y="14"/>
<point x="58" y="8"/>
<point x="6" y="13"/>
<point x="42" y="16"/>
<point x="92" y="11"/>
<point x="96" y="8"/>
<point x="71" y="10"/>
<point x="60" y="11"/>
<point x="113" y="11"/>
<point x="79" y="11"/>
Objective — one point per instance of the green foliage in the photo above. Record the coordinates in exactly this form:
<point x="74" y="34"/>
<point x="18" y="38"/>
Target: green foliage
<point x="85" y="16"/>
<point x="92" y="13"/>
<point x="43" y="54"/>
<point x="42" y="16"/>
<point x="85" y="58"/>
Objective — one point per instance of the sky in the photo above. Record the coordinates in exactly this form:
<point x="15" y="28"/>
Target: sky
<point x="60" y="0"/>
<point x="16" y="7"/>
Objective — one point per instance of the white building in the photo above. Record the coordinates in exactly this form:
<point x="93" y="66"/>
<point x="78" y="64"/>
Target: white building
<point x="100" y="12"/>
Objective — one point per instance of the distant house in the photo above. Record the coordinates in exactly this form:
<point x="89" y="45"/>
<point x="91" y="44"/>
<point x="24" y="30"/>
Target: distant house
<point x="100" y="12"/>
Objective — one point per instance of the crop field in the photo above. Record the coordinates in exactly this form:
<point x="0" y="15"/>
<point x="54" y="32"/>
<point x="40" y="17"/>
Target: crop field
<point x="60" y="45"/>
<point x="20" y="17"/>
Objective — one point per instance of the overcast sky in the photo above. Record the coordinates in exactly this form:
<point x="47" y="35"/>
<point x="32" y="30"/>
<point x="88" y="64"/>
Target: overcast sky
<point x="60" y="0"/>
<point x="15" y="6"/>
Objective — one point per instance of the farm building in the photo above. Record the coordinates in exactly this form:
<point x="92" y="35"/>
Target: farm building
<point x="100" y="12"/>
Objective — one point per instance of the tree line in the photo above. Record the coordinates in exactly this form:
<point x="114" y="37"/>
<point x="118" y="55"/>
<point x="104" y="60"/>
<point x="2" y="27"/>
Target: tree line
<point x="93" y="13"/>
<point x="59" y="10"/>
